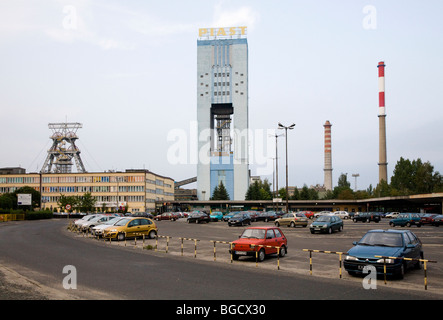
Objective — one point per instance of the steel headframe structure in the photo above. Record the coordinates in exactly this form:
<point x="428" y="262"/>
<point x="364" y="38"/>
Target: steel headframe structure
<point x="63" y="149"/>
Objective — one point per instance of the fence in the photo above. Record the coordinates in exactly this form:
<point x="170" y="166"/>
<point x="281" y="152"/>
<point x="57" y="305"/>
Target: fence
<point x="12" y="217"/>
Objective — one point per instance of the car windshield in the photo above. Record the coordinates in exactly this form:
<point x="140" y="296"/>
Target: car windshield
<point x="386" y="239"/>
<point x="324" y="219"/>
<point x="253" y="233"/>
<point x="122" y="222"/>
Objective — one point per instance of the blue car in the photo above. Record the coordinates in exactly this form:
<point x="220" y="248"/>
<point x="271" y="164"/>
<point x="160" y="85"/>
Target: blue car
<point x="386" y="243"/>
<point x="228" y="216"/>
<point x="406" y="219"/>
<point x="216" y="216"/>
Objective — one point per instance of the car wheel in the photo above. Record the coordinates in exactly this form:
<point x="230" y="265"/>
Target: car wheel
<point x="121" y="237"/>
<point x="408" y="224"/>
<point x="401" y="273"/>
<point x="330" y="230"/>
<point x="355" y="220"/>
<point x="283" y="251"/>
<point x="152" y="234"/>
<point x="277" y="224"/>
<point x="419" y="225"/>
<point x="261" y="255"/>
<point x="340" y="229"/>
<point x="391" y="224"/>
<point x="292" y="224"/>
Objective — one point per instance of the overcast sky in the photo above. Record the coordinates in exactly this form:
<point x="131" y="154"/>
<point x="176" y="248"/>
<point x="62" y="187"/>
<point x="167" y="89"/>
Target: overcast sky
<point x="127" y="71"/>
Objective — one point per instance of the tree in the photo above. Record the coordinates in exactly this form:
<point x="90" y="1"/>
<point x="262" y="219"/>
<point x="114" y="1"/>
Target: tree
<point x="220" y="192"/>
<point x="63" y="201"/>
<point x="415" y="177"/>
<point x="86" y="203"/>
<point x="259" y="191"/>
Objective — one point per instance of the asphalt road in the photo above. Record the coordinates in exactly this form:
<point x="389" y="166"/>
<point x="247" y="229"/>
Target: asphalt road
<point x="34" y="253"/>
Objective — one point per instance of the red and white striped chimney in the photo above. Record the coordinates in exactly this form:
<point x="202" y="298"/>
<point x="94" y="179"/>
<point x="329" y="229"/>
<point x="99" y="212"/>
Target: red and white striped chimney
<point x="381" y="88"/>
<point x="382" y="163"/>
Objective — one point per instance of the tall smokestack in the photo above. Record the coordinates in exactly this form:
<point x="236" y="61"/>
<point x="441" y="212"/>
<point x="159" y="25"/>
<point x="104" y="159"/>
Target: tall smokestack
<point x="328" y="157"/>
<point x="382" y="163"/>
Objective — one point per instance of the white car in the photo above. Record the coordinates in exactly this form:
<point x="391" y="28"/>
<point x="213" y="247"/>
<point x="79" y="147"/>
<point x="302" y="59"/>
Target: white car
<point x="321" y="213"/>
<point x="79" y="222"/>
<point x="392" y="215"/>
<point x="86" y="226"/>
<point x="342" y="214"/>
<point x="98" y="229"/>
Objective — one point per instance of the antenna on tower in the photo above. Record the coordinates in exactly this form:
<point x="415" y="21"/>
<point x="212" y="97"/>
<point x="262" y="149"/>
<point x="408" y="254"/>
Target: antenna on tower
<point x="63" y="149"/>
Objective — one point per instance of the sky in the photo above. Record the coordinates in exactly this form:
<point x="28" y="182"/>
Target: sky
<point x="127" y="70"/>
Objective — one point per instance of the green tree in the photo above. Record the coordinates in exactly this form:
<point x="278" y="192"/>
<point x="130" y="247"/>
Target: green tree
<point x="220" y="192"/>
<point x="259" y="190"/>
<point x="86" y="203"/>
<point x="63" y="201"/>
<point x="415" y="177"/>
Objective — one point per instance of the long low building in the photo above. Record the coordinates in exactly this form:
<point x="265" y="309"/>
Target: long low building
<point x="429" y="203"/>
<point x="136" y="190"/>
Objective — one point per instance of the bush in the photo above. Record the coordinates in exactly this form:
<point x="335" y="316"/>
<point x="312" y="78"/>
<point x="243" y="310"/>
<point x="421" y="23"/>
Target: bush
<point x="37" y="215"/>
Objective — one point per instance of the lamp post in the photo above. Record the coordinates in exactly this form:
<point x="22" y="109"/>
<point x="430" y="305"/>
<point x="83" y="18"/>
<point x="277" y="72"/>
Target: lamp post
<point x="280" y="126"/>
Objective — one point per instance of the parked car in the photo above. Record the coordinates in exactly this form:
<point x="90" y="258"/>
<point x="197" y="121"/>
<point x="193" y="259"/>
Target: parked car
<point x="326" y="224"/>
<point x="438" y="220"/>
<point x="79" y="222"/>
<point x="253" y="237"/>
<point x="240" y="219"/>
<point x="198" y="217"/>
<point x="97" y="231"/>
<point x="292" y="220"/>
<point x="143" y="214"/>
<point x="386" y="243"/>
<point x="228" y="216"/>
<point x="341" y="214"/>
<point x="321" y="213"/>
<point x="392" y="214"/>
<point x="406" y="219"/>
<point x="253" y="214"/>
<point x="266" y="216"/>
<point x="216" y="216"/>
<point x="91" y="223"/>
<point x="427" y="218"/>
<point x="130" y="227"/>
<point x="308" y="214"/>
<point x="367" y="217"/>
<point x="166" y="216"/>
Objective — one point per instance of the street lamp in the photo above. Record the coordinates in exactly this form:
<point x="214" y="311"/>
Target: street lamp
<point x="280" y="126"/>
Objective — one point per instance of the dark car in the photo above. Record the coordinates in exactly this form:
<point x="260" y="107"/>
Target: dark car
<point x="427" y="218"/>
<point x="438" y="220"/>
<point x="367" y="217"/>
<point x="266" y="216"/>
<point x="326" y="224"/>
<point x="385" y="243"/>
<point x="239" y="219"/>
<point x="406" y="219"/>
<point x="198" y="217"/>
<point x="142" y="214"/>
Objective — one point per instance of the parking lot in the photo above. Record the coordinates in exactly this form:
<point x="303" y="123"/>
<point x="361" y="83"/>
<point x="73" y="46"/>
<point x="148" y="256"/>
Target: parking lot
<point x="208" y="241"/>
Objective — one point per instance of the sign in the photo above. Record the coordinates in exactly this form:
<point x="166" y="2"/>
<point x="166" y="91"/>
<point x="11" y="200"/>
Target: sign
<point x="278" y="200"/>
<point x="24" y="199"/>
<point x="222" y="33"/>
<point x="68" y="207"/>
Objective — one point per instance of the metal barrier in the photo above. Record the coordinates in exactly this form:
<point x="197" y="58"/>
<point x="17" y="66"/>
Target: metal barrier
<point x="225" y="242"/>
<point x="408" y="259"/>
<point x="263" y="246"/>
<point x="325" y="251"/>
<point x="195" y="245"/>
<point x="12" y="217"/>
<point x="167" y="242"/>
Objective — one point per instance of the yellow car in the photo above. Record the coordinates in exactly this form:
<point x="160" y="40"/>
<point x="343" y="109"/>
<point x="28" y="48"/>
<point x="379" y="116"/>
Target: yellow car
<point x="292" y="220"/>
<point x="131" y="227"/>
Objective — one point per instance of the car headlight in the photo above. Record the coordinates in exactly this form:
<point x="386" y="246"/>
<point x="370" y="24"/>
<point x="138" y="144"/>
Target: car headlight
<point x="385" y="261"/>
<point x="351" y="258"/>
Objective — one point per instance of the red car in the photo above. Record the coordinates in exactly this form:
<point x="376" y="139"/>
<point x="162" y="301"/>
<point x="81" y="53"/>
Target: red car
<point x="308" y="214"/>
<point x="166" y="216"/>
<point x="253" y="237"/>
<point x="428" y="218"/>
